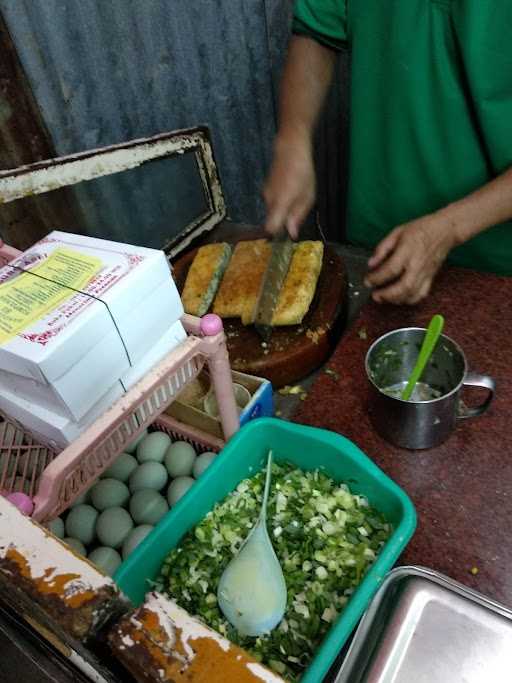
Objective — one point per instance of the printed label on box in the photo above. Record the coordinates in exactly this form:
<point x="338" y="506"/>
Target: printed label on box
<point x="28" y="297"/>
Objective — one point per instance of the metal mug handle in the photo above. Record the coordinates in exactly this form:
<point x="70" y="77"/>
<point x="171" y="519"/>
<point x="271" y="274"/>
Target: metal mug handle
<point x="473" y="379"/>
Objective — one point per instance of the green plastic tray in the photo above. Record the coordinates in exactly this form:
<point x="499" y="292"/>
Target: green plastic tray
<point x="308" y="448"/>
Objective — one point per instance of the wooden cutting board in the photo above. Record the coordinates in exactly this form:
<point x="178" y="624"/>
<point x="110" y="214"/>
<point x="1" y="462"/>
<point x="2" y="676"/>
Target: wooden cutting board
<point x="293" y="352"/>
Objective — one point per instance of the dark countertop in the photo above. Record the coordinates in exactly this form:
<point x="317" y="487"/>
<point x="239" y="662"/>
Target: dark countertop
<point x="462" y="489"/>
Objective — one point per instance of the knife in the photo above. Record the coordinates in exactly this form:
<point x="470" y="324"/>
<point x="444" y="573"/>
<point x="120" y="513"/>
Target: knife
<point x="273" y="279"/>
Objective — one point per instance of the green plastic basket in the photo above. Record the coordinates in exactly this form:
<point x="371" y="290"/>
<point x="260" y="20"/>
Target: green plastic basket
<point x="245" y="454"/>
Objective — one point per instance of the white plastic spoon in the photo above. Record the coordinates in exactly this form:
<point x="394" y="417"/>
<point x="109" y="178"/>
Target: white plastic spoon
<point x="252" y="589"/>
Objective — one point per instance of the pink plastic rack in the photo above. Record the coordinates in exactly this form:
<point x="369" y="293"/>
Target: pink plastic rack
<point x="54" y="480"/>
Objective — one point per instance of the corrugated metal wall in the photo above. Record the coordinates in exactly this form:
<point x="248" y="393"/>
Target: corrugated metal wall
<point x="106" y="71"/>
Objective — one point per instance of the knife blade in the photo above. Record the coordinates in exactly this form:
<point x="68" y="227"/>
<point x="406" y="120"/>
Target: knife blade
<point x="275" y="274"/>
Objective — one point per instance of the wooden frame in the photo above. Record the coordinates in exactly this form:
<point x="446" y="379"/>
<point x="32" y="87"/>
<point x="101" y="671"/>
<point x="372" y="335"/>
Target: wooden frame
<point x="52" y="174"/>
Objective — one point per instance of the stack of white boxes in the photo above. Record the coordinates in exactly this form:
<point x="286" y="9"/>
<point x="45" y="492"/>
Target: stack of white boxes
<point x="81" y="321"/>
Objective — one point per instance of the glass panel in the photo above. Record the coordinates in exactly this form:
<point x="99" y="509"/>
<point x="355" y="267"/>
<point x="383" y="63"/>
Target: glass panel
<point x="147" y="205"/>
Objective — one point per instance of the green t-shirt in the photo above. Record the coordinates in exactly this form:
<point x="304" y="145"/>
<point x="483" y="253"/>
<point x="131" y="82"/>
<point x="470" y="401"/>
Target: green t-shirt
<point x="430" y="110"/>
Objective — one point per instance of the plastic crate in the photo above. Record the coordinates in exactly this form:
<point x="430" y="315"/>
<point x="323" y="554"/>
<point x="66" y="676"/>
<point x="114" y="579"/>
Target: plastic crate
<point x="53" y="480"/>
<point x="246" y="453"/>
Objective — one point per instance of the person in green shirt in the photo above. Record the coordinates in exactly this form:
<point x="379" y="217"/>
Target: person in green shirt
<point x="430" y="150"/>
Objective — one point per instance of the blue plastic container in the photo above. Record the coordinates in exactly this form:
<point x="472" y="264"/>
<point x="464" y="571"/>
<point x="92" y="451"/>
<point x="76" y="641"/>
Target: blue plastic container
<point x="309" y="449"/>
<point x="261" y="403"/>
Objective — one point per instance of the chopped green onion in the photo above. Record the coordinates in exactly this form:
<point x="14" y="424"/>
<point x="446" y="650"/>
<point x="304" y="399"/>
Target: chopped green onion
<point x="325" y="539"/>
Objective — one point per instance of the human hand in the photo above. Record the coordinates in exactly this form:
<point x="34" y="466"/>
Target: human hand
<point x="403" y="266"/>
<point x="289" y="191"/>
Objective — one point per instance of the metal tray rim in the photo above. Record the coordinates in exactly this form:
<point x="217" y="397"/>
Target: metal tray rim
<point x="395" y="575"/>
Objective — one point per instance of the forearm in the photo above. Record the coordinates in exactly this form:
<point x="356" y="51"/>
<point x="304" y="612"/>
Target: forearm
<point x="307" y="75"/>
<point x="404" y="264"/>
<point x="489" y="205"/>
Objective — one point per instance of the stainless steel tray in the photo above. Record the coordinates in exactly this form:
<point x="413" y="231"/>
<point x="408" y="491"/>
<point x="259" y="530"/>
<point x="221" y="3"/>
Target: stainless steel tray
<point x="422" y="627"/>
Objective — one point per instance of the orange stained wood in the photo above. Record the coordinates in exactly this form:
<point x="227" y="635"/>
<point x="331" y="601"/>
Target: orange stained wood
<point x="51" y="583"/>
<point x="211" y="664"/>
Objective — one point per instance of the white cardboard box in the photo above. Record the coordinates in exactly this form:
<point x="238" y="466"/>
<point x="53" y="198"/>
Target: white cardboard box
<point x="78" y="350"/>
<point x="57" y="430"/>
<point x="49" y="428"/>
<point x="74" y="393"/>
<point x="169" y="341"/>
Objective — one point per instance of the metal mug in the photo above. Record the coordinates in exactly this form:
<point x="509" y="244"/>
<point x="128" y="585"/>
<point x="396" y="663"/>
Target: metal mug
<point x="419" y="424"/>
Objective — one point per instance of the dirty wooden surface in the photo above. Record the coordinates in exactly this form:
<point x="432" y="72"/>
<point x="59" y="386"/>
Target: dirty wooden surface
<point x="60" y="595"/>
<point x="160" y="642"/>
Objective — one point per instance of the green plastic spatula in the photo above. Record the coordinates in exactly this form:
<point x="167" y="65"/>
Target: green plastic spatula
<point x="432" y="335"/>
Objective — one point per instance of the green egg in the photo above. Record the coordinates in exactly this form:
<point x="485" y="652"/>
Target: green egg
<point x="147" y="506"/>
<point x="21" y="484"/>
<point x="109" y="493"/>
<point x="56" y="526"/>
<point x="202" y="462"/>
<point x="178" y="488"/>
<point x="149" y="475"/>
<point x="77" y="545"/>
<point x="107" y="559"/>
<point x="153" y="447"/>
<point x="10" y="435"/>
<point x="113" y="527"/>
<point x="132" y="447"/>
<point x="179" y="459"/>
<point x="30" y="463"/>
<point x="134" y="538"/>
<point x="82" y="499"/>
<point x="121" y="468"/>
<point x="7" y="463"/>
<point x="81" y="523"/>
